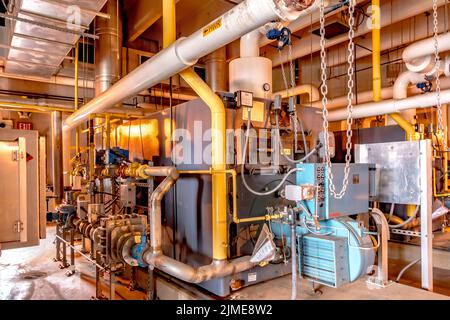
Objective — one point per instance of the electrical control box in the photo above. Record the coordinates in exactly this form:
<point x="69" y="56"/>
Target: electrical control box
<point x="325" y="205"/>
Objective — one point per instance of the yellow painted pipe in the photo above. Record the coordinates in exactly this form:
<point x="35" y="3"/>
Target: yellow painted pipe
<point x="169" y="22"/>
<point x="376" y="71"/>
<point x="236" y="218"/>
<point x="91" y="153"/>
<point x="108" y="131"/>
<point x="218" y="127"/>
<point x="409" y="129"/>
<point x="218" y="141"/>
<point x="78" y="133"/>
<point x="376" y="50"/>
<point x="435" y="193"/>
<point x="14" y="106"/>
<point x="376" y="78"/>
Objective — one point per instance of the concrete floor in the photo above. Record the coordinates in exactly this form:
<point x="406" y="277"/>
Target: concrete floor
<point x="31" y="274"/>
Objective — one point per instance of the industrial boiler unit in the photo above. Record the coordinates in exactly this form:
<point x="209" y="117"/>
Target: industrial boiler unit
<point x="239" y="184"/>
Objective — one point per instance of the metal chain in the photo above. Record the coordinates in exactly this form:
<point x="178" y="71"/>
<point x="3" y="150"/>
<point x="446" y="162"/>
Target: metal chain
<point x="350" y="96"/>
<point x="291" y="69"/>
<point x="291" y="62"/>
<point x="438" y="80"/>
<point x="283" y="73"/>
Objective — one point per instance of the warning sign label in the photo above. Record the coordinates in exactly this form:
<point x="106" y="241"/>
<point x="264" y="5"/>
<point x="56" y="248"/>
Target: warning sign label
<point x="212" y="27"/>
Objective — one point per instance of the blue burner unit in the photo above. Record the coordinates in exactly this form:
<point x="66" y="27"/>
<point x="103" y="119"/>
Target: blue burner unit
<point x="341" y="251"/>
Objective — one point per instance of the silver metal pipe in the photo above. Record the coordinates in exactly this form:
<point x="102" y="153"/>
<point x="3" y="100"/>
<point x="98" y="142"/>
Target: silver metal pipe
<point x="187" y="273"/>
<point x="294" y="262"/>
<point x="57" y="155"/>
<point x="108" y="51"/>
<point x="383" y="230"/>
<point x="154" y="216"/>
<point x="216" y="70"/>
<point x="154" y="256"/>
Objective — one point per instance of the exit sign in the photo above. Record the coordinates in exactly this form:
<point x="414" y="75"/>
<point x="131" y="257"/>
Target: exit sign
<point x="24" y="126"/>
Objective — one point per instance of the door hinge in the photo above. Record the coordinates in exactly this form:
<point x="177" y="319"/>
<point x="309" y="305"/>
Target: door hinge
<point x="18" y="226"/>
<point x="15" y="155"/>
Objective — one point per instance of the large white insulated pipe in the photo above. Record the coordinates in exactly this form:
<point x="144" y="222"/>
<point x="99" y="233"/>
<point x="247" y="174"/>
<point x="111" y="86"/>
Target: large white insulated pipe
<point x="391" y="106"/>
<point x="393" y="12"/>
<point x="185" y="52"/>
<point x="419" y="56"/>
<point x="403" y="82"/>
<point x="249" y="46"/>
<point x="401" y="86"/>
<point x="367" y="96"/>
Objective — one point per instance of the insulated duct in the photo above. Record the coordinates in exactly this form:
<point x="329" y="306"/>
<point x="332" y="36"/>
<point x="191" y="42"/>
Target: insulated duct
<point x="216" y="70"/>
<point x="391" y="106"/>
<point x="108" y="49"/>
<point x="185" y="52"/>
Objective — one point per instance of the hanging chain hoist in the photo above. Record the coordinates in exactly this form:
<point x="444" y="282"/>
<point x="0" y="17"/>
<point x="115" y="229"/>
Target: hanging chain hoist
<point x="350" y="96"/>
<point x="437" y="60"/>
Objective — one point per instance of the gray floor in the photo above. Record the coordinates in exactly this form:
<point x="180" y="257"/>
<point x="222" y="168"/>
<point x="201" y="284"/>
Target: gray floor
<point x="31" y="274"/>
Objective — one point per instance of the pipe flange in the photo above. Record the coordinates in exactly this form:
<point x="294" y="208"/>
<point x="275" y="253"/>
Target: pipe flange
<point x="87" y="231"/>
<point x="133" y="248"/>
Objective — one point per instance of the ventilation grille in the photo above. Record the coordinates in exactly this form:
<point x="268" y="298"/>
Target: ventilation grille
<point x="324" y="260"/>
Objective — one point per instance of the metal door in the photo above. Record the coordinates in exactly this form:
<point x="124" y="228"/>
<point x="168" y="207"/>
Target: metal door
<point x="13" y="191"/>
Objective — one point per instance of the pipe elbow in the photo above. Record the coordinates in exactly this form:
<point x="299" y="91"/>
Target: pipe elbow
<point x="404" y="81"/>
<point x="187" y="273"/>
<point x="310" y="90"/>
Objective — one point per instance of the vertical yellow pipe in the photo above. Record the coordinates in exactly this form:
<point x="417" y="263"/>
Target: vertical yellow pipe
<point x="108" y="131"/>
<point x="376" y="77"/>
<point x="218" y="127"/>
<point x="219" y="181"/>
<point x="376" y="50"/>
<point x="91" y="141"/>
<point x="77" y="135"/>
<point x="169" y="22"/>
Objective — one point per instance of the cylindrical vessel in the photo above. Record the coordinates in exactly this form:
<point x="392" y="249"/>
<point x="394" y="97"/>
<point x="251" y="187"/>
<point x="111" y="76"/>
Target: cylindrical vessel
<point x="216" y="70"/>
<point x="57" y="155"/>
<point x="252" y="74"/>
<point x="108" y="49"/>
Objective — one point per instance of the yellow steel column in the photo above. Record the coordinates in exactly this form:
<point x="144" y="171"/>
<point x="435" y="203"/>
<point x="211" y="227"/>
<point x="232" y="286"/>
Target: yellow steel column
<point x="218" y="127"/>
